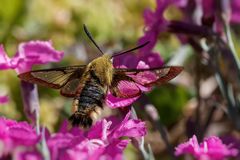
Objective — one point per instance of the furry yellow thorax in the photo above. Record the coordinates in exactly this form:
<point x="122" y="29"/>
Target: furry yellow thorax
<point x="103" y="69"/>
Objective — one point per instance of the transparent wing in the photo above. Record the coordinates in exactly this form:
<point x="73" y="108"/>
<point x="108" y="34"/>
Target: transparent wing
<point x="124" y="86"/>
<point x="128" y="83"/>
<point x="54" y="78"/>
<point x="70" y="88"/>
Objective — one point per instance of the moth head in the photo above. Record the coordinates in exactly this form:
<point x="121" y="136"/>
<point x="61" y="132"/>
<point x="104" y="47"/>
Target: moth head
<point x="102" y="67"/>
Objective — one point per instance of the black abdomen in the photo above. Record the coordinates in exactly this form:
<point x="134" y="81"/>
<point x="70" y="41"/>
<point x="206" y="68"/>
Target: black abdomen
<point x="92" y="96"/>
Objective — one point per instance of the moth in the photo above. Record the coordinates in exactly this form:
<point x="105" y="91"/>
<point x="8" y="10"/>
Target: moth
<point x="89" y="84"/>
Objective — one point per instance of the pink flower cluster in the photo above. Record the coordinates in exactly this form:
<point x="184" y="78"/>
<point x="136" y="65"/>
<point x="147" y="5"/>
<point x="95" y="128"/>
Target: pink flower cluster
<point x="18" y="140"/>
<point x="3" y="99"/>
<point x="156" y="23"/>
<point x="105" y="140"/>
<point x="211" y="148"/>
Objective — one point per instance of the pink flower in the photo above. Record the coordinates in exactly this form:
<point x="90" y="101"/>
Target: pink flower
<point x="29" y="54"/>
<point x="131" y="60"/>
<point x="155" y="23"/>
<point x="235" y="15"/>
<point x="16" y="134"/>
<point x="104" y="140"/>
<point x="116" y="102"/>
<point x="131" y="87"/>
<point x="4" y="59"/>
<point x="60" y="142"/>
<point x="211" y="148"/>
<point x="3" y="99"/>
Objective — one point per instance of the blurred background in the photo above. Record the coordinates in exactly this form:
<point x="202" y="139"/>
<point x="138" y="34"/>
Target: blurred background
<point x="116" y="25"/>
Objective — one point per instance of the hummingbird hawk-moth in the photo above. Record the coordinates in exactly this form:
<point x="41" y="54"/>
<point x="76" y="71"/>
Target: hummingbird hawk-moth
<point x="89" y="84"/>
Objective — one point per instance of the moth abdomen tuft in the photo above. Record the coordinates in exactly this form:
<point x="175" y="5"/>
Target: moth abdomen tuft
<point x="82" y="119"/>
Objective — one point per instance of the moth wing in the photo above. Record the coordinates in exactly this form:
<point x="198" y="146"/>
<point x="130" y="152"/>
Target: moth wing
<point x="70" y="88"/>
<point x="54" y="78"/>
<point x="124" y="86"/>
<point x="152" y="76"/>
<point x="128" y="83"/>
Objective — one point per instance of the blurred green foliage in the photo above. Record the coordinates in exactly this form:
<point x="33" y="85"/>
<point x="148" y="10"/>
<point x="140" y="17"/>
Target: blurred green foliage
<point x="169" y="101"/>
<point x="11" y="13"/>
<point x="61" y="21"/>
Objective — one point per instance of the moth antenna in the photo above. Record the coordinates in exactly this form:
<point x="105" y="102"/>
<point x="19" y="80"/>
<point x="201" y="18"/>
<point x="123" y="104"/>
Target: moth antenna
<point x="91" y="38"/>
<point x="123" y="52"/>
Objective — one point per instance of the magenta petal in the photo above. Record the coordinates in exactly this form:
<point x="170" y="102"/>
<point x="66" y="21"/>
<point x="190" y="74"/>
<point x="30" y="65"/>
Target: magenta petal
<point x="128" y="61"/>
<point x="74" y="154"/>
<point x="60" y="142"/>
<point x="233" y="142"/>
<point x="128" y="88"/>
<point x="144" y="77"/>
<point x="99" y="130"/>
<point x="28" y="155"/>
<point x="190" y="147"/>
<point x="129" y="128"/>
<point x="14" y="134"/>
<point x="152" y="59"/>
<point x="113" y="151"/>
<point x="132" y="128"/>
<point x="210" y="148"/>
<point x="102" y="141"/>
<point x="23" y="134"/>
<point x="4" y="99"/>
<point x="115" y="102"/>
<point x="235" y="6"/>
<point x="76" y="131"/>
<point x="148" y="16"/>
<point x="148" y="36"/>
<point x="142" y="65"/>
<point x="4" y="59"/>
<point x="216" y="149"/>
<point x="143" y="88"/>
<point x="64" y="127"/>
<point x="35" y="52"/>
<point x="85" y="150"/>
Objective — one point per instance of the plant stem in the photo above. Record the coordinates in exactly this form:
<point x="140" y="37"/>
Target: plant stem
<point x="140" y="141"/>
<point x="31" y="103"/>
<point x="231" y="44"/>
<point x="44" y="147"/>
<point x="155" y="119"/>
